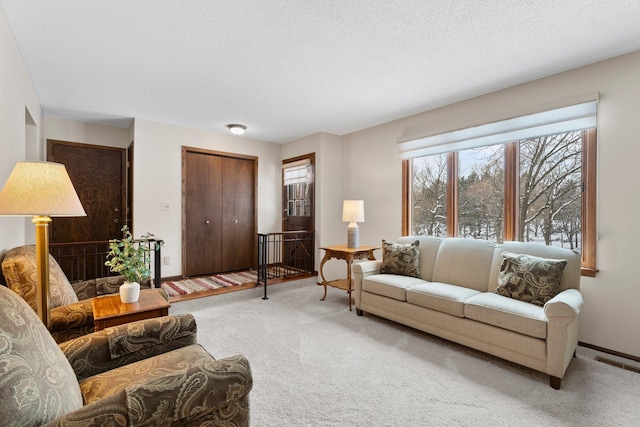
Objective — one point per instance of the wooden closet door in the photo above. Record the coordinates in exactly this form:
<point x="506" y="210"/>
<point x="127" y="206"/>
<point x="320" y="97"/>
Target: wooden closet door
<point x="219" y="213"/>
<point x="203" y="214"/>
<point x="238" y="222"/>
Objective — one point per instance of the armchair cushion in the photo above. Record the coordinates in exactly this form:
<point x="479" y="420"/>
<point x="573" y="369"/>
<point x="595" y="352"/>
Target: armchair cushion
<point x="37" y="383"/>
<point x="20" y="272"/>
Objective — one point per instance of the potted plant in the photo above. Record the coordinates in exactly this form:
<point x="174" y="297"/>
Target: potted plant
<point x="129" y="257"/>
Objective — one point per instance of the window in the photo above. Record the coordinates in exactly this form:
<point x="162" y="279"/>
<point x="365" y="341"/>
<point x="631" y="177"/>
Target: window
<point x="296" y="177"/>
<point x="536" y="189"/>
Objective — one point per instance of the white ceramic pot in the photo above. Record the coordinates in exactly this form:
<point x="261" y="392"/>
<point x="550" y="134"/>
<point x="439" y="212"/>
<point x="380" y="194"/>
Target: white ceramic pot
<point x="129" y="292"/>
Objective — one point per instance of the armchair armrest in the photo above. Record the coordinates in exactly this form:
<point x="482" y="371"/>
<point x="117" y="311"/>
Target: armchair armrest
<point x="567" y="303"/>
<point x="111" y="285"/>
<point x="75" y="315"/>
<point x="85" y="289"/>
<point x="120" y="345"/>
<point x="207" y="390"/>
<point x="214" y="384"/>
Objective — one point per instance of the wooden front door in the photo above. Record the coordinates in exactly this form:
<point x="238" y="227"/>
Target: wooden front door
<point x="98" y="175"/>
<point x="298" y="191"/>
<point x="219" y="205"/>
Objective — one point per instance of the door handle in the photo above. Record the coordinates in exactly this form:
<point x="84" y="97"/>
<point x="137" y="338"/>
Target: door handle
<point x="116" y="220"/>
<point x="206" y="222"/>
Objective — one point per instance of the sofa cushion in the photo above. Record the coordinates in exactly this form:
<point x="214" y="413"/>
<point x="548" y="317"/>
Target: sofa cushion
<point x="529" y="278"/>
<point x="507" y="313"/>
<point x="390" y="285"/>
<point x="464" y="262"/>
<point x="440" y="297"/>
<point x="429" y="246"/>
<point x="401" y="259"/>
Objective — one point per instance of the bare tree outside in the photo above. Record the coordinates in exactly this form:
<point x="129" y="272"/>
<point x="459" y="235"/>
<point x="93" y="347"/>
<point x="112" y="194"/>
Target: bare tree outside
<point x="550" y="185"/>
<point x="551" y="189"/>
<point x="429" y="195"/>
<point x="481" y="193"/>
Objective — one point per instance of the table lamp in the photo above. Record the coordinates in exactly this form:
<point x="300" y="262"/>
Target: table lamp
<point x="41" y="190"/>
<point x="353" y="212"/>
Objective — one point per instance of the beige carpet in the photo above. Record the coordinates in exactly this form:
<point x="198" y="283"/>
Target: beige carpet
<point x="317" y="364"/>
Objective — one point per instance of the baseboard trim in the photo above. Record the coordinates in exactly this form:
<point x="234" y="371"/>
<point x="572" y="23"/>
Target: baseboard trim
<point x="608" y="351"/>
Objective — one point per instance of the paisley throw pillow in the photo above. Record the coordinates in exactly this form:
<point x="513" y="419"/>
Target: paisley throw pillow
<point x="529" y="278"/>
<point x="401" y="259"/>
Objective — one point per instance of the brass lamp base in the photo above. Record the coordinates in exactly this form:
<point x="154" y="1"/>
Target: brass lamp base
<point x="42" y="265"/>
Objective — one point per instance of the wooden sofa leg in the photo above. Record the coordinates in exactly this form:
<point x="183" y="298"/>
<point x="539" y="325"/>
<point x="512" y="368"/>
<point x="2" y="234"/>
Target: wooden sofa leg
<point x="359" y="312"/>
<point x="554" y="382"/>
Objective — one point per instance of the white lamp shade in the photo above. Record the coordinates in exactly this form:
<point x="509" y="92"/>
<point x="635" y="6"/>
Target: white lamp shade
<point x="39" y="188"/>
<point x="353" y="211"/>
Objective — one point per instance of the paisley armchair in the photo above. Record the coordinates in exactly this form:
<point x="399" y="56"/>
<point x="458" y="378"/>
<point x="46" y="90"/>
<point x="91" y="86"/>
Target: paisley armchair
<point x="149" y="372"/>
<point x="71" y="310"/>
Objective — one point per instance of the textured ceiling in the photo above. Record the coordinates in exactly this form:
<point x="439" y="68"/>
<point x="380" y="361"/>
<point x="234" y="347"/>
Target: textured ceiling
<point x="287" y="69"/>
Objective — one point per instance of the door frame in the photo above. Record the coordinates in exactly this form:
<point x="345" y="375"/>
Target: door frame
<point x="187" y="149"/>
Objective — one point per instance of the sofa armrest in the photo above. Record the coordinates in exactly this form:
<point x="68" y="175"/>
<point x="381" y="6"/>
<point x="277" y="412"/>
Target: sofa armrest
<point x="367" y="268"/>
<point x="110" y="348"/>
<point x="567" y="303"/>
<point x="562" y="330"/>
<point x="75" y="315"/>
<point x="186" y="397"/>
<point x="360" y="271"/>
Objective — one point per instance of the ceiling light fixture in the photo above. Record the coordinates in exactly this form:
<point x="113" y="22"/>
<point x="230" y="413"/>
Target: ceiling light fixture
<point x="237" y="129"/>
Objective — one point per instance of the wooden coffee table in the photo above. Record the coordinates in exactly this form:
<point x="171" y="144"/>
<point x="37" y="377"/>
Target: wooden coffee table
<point x="108" y="310"/>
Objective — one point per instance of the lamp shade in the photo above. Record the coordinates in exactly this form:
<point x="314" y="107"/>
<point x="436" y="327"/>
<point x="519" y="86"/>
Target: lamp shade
<point x="353" y="211"/>
<point x="39" y="188"/>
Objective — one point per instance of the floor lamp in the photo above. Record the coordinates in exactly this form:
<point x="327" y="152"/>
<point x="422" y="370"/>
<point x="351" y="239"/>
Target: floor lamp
<point x="41" y="190"/>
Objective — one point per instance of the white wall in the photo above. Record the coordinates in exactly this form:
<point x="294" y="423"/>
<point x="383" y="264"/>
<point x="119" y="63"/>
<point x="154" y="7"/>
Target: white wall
<point x="85" y="133"/>
<point x="158" y="179"/>
<point x="611" y="315"/>
<point x="17" y="96"/>
<point x="329" y="172"/>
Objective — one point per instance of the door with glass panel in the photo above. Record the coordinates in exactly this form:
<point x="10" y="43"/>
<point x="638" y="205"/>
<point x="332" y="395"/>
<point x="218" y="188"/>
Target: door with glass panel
<point x="298" y="211"/>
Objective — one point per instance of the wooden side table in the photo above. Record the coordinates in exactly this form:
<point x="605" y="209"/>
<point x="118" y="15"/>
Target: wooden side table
<point x="108" y="310"/>
<point x="349" y="255"/>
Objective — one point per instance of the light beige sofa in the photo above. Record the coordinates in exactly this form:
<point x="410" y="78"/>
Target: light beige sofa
<point x="454" y="299"/>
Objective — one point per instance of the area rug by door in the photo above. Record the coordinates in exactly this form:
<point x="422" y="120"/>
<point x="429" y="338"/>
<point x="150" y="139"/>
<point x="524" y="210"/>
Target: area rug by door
<point x="209" y="283"/>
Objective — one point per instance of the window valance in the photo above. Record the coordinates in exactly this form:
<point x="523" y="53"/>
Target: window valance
<point x="558" y="120"/>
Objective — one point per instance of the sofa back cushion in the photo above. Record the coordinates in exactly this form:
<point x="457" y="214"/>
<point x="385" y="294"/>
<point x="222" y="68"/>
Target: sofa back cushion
<point x="428" y="247"/>
<point x="37" y="383"/>
<point x="570" y="274"/>
<point x="464" y="262"/>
